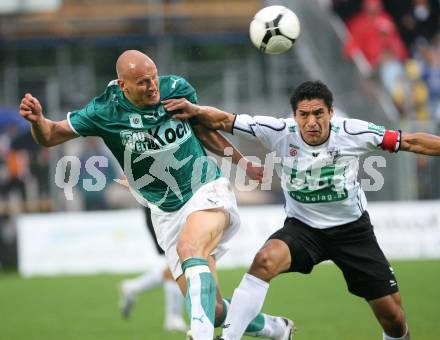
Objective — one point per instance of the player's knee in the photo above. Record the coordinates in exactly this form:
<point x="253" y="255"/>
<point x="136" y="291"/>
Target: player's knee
<point x="264" y="265"/>
<point x="394" y="317"/>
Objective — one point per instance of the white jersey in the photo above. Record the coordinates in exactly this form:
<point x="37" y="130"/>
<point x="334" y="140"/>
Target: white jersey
<point x="319" y="182"/>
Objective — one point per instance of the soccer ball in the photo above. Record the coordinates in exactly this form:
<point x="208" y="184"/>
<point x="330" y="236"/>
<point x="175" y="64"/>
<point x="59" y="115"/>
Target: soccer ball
<point x="274" y="29"/>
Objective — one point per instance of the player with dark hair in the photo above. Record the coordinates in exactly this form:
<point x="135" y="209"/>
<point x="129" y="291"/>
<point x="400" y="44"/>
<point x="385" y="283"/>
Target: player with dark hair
<point x="160" y="275"/>
<point x="325" y="204"/>
<point x="193" y="208"/>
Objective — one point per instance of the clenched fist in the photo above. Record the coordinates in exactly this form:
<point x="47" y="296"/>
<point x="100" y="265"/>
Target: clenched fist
<point x="30" y="108"/>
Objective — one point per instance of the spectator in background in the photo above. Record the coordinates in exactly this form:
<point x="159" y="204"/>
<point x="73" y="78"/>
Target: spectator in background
<point x="430" y="73"/>
<point x="436" y="42"/>
<point x="398" y="9"/>
<point x="411" y="94"/>
<point x="6" y="137"/>
<point x="415" y="19"/>
<point x="374" y="34"/>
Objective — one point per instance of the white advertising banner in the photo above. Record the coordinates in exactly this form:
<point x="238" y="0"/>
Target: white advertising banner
<point x="407" y="230"/>
<point x="84" y="243"/>
<point x="117" y="241"/>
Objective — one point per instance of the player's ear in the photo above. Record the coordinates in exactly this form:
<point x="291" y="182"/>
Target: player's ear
<point x="331" y="112"/>
<point x="121" y="84"/>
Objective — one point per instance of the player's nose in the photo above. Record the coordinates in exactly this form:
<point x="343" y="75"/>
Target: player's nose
<point x="311" y="120"/>
<point x="152" y="86"/>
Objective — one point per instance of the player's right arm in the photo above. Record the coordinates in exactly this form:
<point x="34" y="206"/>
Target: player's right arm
<point x="263" y="128"/>
<point x="44" y="131"/>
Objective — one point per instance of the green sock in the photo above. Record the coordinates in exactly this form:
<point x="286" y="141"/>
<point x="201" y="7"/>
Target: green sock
<point x="201" y="290"/>
<point x="253" y="329"/>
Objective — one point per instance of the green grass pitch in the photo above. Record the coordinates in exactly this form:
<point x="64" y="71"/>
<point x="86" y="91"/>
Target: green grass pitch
<point x="85" y="308"/>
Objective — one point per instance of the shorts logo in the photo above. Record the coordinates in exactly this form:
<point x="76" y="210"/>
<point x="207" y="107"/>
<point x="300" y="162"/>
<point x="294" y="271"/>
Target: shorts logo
<point x="136" y="120"/>
<point x="212" y="201"/>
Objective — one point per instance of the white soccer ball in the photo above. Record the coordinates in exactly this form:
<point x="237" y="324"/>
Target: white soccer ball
<point x="274" y="29"/>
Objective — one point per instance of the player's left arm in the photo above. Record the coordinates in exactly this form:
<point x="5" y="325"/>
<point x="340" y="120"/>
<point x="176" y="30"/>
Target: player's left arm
<point x="421" y="143"/>
<point x="217" y="144"/>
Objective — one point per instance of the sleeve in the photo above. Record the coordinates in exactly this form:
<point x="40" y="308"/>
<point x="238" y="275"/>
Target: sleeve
<point x="369" y="137"/>
<point x="181" y="88"/>
<point x="81" y="121"/>
<point x="267" y="130"/>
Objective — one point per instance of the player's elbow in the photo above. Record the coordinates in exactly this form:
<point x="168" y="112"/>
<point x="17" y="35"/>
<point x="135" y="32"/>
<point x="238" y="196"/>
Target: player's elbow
<point x="40" y="141"/>
<point x="44" y="142"/>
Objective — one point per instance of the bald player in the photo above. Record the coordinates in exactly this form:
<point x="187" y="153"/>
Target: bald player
<point x="193" y="208"/>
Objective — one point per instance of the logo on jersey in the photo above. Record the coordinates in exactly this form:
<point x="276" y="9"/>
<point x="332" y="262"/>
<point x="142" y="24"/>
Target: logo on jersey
<point x="293" y="151"/>
<point x="376" y="128"/>
<point x="173" y="85"/>
<point x="320" y="185"/>
<point x="333" y="154"/>
<point x="335" y="129"/>
<point x="136" y="121"/>
<point x="160" y="137"/>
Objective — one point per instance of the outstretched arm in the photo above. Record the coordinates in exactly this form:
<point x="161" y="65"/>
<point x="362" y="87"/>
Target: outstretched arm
<point x="420" y="142"/>
<point x="208" y="116"/>
<point x="45" y="132"/>
<point x="216" y="143"/>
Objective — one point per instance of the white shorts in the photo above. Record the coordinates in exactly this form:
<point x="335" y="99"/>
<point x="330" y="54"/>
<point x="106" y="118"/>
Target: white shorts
<point x="168" y="225"/>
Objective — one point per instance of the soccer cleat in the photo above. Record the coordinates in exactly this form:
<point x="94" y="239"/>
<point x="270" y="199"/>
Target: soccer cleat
<point x="288" y="331"/>
<point x="175" y="323"/>
<point x="126" y="300"/>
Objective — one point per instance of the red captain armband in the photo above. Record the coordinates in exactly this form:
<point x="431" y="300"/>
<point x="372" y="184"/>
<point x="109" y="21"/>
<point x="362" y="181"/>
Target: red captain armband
<point x="391" y="141"/>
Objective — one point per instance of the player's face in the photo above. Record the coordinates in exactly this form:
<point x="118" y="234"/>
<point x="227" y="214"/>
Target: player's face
<point x="141" y="85"/>
<point x="313" y="119"/>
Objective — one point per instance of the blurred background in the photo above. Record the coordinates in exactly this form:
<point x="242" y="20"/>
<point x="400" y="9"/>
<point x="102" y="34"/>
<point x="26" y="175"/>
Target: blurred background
<point x="381" y="59"/>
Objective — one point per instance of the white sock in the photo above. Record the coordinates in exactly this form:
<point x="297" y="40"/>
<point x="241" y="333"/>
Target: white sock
<point x="173" y="299"/>
<point x="247" y="301"/>
<point x="146" y="281"/>
<point x="405" y="337"/>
